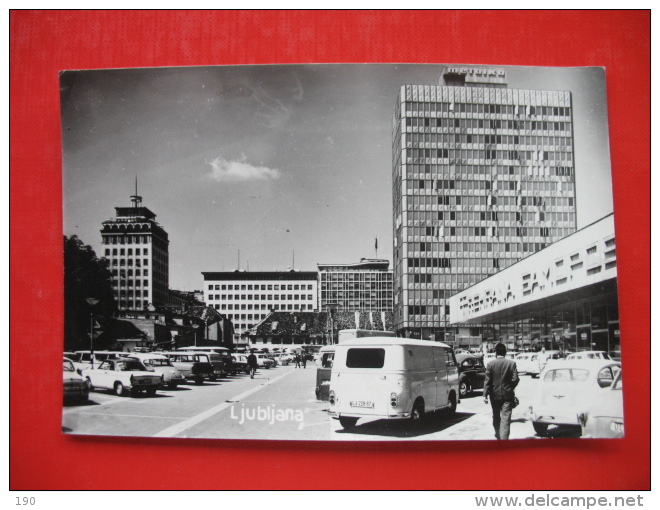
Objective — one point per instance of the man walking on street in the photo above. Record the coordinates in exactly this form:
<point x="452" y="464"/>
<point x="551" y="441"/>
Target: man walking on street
<point x="252" y="364"/>
<point x="501" y="380"/>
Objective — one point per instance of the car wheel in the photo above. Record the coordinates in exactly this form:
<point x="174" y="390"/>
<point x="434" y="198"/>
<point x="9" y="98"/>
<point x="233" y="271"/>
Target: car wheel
<point x="199" y="381"/>
<point x="213" y="378"/>
<point x="151" y="391"/>
<point x="417" y="413"/>
<point x="120" y="391"/>
<point x="463" y="388"/>
<point x="347" y="423"/>
<point x="541" y="429"/>
<point x="172" y="385"/>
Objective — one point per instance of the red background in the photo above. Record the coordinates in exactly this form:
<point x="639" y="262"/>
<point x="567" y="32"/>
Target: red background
<point x="45" y="42"/>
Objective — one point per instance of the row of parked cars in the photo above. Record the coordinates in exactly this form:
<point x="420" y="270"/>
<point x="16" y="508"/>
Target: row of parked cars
<point x="145" y="372"/>
<point x="579" y="389"/>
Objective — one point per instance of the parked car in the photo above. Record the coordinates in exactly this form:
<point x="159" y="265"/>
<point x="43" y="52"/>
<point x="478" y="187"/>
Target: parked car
<point x="589" y="355"/>
<point x="471" y="373"/>
<point x="565" y="389"/>
<point x="193" y="366"/>
<point x="522" y="362"/>
<point x="161" y="365"/>
<point x="75" y="387"/>
<point x="220" y="359"/>
<point x="324" y="371"/>
<point x="123" y="376"/>
<point x="539" y="359"/>
<point x="239" y="363"/>
<point x="604" y="417"/>
<point x="85" y="358"/>
<point x="264" y="362"/>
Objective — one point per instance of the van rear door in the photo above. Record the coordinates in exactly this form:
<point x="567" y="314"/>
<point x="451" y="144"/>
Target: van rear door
<point x="362" y="383"/>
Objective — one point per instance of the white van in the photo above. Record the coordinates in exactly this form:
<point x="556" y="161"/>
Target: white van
<point x="392" y="378"/>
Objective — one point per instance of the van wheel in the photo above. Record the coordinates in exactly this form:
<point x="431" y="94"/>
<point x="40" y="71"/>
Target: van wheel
<point x="347" y="423"/>
<point x="417" y="413"/>
<point x="463" y="388"/>
<point x="452" y="404"/>
<point x="541" y="429"/>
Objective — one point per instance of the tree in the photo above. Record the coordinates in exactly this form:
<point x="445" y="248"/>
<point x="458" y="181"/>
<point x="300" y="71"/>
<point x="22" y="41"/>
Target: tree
<point x="85" y="276"/>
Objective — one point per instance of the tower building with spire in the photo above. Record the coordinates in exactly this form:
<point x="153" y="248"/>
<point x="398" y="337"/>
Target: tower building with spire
<point x="137" y="248"/>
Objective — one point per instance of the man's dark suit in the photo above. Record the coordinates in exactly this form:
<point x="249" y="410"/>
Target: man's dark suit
<point x="501" y="380"/>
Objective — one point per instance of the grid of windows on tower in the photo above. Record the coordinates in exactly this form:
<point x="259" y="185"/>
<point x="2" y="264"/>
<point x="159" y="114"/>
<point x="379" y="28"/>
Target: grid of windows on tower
<point x="481" y="179"/>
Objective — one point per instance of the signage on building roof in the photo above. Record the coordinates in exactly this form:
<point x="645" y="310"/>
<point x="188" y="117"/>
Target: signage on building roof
<point x="477" y="71"/>
<point x="479" y="74"/>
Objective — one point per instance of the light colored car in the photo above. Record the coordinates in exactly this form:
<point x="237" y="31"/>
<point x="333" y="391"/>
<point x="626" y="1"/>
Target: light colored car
<point x="123" y="376"/>
<point x="522" y="361"/>
<point x="539" y="360"/>
<point x="162" y="365"/>
<point x="566" y="388"/>
<point x="264" y="362"/>
<point x="75" y="387"/>
<point x="589" y="355"/>
<point x="604" y="418"/>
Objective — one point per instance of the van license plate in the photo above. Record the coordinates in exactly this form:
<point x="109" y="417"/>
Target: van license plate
<point x="362" y="403"/>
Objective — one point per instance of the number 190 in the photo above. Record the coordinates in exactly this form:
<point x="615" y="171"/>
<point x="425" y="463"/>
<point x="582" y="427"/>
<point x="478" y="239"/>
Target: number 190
<point x="25" y="501"/>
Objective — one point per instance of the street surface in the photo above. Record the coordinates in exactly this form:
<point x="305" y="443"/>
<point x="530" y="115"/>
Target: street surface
<point x="278" y="403"/>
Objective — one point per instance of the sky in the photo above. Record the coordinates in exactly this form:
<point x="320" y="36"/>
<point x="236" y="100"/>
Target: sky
<point x="267" y="168"/>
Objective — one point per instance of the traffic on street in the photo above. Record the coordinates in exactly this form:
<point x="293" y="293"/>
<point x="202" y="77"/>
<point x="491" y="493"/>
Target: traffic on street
<point x="281" y="402"/>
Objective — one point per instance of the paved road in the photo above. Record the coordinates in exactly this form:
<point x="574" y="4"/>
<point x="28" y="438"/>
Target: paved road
<point x="277" y="404"/>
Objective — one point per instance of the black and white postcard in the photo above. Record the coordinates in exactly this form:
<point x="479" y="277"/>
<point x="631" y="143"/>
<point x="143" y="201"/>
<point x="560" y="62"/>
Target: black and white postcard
<point x="339" y="252"/>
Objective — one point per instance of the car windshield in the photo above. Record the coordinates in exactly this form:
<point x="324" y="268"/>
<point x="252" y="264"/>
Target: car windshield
<point x="157" y="362"/>
<point x="566" y="375"/>
<point x="129" y="366"/>
<point x="365" y="358"/>
<point x="68" y="366"/>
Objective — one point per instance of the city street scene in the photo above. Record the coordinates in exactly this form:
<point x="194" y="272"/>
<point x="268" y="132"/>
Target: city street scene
<point x="339" y="252"/>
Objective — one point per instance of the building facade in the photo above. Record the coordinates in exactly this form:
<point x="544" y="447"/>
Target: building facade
<point x="246" y="298"/>
<point x="362" y="286"/>
<point x="483" y="176"/>
<point x="563" y="297"/>
<point x="137" y="248"/>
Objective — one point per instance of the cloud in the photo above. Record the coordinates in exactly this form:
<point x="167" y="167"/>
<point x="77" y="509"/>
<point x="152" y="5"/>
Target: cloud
<point x="240" y="170"/>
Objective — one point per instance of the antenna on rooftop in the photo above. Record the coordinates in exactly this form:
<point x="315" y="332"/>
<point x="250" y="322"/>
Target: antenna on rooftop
<point x="136" y="199"/>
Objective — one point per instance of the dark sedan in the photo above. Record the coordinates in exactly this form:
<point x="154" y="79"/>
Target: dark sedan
<point x="471" y="373"/>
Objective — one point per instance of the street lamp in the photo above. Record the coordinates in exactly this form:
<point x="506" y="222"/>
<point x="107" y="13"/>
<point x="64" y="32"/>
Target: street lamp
<point x="195" y="326"/>
<point x="332" y="307"/>
<point x="91" y="302"/>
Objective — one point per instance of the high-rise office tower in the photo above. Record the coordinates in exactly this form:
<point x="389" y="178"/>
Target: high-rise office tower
<point x="137" y="248"/>
<point x="483" y="176"/>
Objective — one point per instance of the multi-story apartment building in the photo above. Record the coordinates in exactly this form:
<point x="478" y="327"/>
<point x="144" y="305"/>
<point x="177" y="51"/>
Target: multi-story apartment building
<point x="246" y="298"/>
<point x="483" y="176"/>
<point x="137" y="248"/>
<point x="362" y="286"/>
